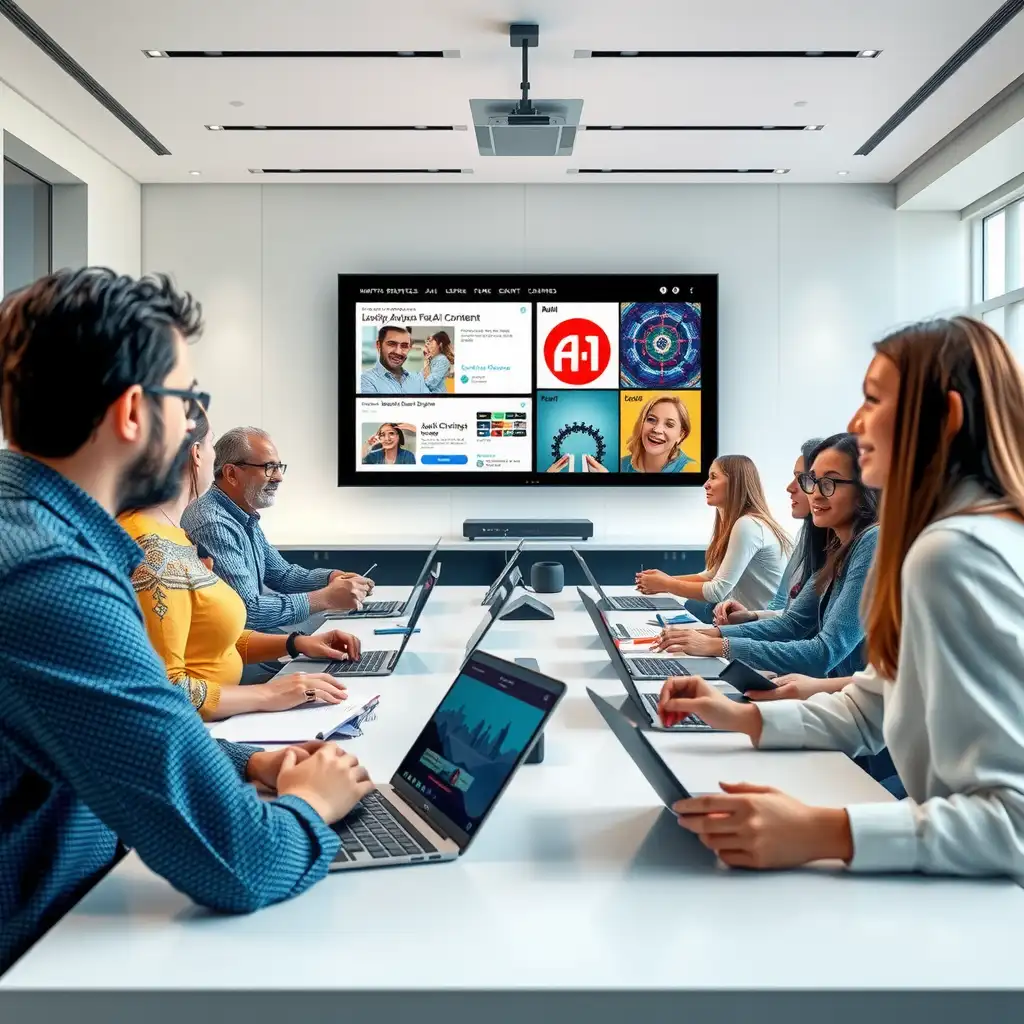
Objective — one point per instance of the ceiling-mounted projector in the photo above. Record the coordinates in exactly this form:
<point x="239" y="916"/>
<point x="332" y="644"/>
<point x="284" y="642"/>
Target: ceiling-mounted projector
<point x="525" y="127"/>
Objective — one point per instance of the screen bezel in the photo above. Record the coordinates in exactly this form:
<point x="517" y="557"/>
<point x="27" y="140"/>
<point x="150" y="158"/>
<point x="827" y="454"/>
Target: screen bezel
<point x="701" y="288"/>
<point x="430" y="813"/>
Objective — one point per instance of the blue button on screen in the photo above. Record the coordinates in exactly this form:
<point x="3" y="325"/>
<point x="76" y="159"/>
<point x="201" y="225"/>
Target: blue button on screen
<point x="443" y="460"/>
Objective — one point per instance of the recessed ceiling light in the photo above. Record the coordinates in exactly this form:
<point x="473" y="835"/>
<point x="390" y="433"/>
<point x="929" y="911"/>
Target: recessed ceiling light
<point x="813" y="127"/>
<point x="842" y="174"/>
<point x="815" y="53"/>
<point x="616" y="127"/>
<point x="255" y="170"/>
<point x="869" y="53"/>
<point x="195" y="173"/>
<point x="215" y="127"/>
<point x="154" y="53"/>
<point x="406" y="53"/>
<point x="768" y="127"/>
<point x="420" y="127"/>
<point x="629" y="53"/>
<point x="782" y="170"/>
<point x="259" y="127"/>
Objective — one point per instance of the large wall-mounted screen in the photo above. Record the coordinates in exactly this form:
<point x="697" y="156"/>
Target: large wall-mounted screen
<point x="577" y="380"/>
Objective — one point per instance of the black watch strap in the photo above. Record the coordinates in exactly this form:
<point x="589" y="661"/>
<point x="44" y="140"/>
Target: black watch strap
<point x="290" y="643"/>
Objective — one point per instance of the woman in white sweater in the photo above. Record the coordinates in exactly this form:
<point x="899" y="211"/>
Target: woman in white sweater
<point x="941" y="430"/>
<point x="747" y="554"/>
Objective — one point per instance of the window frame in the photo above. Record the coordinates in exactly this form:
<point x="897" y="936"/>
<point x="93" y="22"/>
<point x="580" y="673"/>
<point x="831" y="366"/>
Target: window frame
<point x="1012" y="299"/>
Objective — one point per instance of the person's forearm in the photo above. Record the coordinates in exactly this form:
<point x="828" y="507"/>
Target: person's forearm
<point x="237" y="700"/>
<point x="833" y="685"/>
<point x="690" y="588"/>
<point x="265" y="647"/>
<point x="319" y="601"/>
<point x="752" y="724"/>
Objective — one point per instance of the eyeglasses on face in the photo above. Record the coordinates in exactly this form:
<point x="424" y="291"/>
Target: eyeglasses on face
<point x="826" y="485"/>
<point x="196" y="402"/>
<point x="270" y="468"/>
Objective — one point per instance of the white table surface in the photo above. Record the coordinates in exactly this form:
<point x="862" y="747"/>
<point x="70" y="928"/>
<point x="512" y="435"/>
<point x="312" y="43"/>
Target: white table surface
<point x="578" y="880"/>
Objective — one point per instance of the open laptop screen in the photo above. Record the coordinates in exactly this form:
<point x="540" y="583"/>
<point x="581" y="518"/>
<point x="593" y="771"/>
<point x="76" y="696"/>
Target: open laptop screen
<point x="476" y="738"/>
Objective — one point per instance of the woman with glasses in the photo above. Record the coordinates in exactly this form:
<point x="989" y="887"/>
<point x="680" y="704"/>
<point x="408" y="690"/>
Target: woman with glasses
<point x="807" y="558"/>
<point x="820" y="634"/>
<point x="196" y="622"/>
<point x="386" y="447"/>
<point x="748" y="548"/>
<point x="941" y="432"/>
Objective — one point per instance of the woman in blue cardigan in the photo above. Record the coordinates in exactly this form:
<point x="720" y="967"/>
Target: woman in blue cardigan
<point x="820" y="634"/>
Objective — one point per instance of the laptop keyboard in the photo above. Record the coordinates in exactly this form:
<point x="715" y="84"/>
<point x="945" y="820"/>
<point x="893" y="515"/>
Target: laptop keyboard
<point x="633" y="604"/>
<point x="373" y="827"/>
<point x="370" y="661"/>
<point x="690" y="722"/>
<point x="660" y="668"/>
<point x="383" y="607"/>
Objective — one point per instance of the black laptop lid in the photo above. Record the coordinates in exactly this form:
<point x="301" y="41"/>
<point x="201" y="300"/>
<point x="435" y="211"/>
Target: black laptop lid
<point x="419" y="603"/>
<point x="590" y="576"/>
<point x="474" y="742"/>
<point x="612" y="648"/>
<point x="427" y="562"/>
<point x="493" y="611"/>
<point x="509" y="565"/>
<point x="645" y="757"/>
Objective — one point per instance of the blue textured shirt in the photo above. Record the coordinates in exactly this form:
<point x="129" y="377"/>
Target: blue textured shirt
<point x="380" y="381"/>
<point x="244" y="559"/>
<point x="96" y="747"/>
<point x="818" y="635"/>
<point x="404" y="457"/>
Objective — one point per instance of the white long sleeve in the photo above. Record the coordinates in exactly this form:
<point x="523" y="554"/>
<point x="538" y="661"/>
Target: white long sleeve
<point x="954" y="719"/>
<point x="751" y="567"/>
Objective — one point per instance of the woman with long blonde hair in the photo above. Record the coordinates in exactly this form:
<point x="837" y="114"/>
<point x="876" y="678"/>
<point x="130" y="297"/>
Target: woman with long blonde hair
<point x="941" y="432"/>
<point x="747" y="554"/>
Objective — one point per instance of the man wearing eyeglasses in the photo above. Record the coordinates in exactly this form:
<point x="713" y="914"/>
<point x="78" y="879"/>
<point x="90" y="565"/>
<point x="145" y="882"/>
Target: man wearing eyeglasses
<point x="226" y="522"/>
<point x="98" y="752"/>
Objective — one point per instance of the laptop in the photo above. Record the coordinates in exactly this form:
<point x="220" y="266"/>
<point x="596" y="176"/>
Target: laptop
<point x="452" y="776"/>
<point x="503" y="575"/>
<point x="627" y="604"/>
<point x="640" y="749"/>
<point x="383" y="663"/>
<point x="390" y="609"/>
<point x="494" y="610"/>
<point x="650" y="667"/>
<point x="645" y="703"/>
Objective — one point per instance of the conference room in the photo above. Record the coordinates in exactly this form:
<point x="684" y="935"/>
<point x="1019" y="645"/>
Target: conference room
<point x="604" y="505"/>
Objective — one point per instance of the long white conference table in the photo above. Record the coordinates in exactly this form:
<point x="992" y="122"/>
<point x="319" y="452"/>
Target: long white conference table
<point x="578" y="883"/>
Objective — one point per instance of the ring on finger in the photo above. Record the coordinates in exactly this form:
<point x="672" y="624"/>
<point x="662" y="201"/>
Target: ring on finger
<point x="310" y="695"/>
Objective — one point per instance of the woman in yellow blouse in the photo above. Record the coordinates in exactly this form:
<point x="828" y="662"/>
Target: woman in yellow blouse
<point x="196" y="622"/>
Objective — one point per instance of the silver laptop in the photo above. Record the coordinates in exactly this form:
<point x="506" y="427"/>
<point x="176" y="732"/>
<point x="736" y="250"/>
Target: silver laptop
<point x="390" y="609"/>
<point x="384" y="662"/>
<point x="645" y="703"/>
<point x="627" y="604"/>
<point x="454" y="773"/>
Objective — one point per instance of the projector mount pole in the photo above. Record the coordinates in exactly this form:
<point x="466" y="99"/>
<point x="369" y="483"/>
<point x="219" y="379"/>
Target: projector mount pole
<point x="524" y="104"/>
<point x="524" y="36"/>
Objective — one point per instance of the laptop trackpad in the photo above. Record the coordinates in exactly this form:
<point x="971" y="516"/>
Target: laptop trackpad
<point x="709" y="668"/>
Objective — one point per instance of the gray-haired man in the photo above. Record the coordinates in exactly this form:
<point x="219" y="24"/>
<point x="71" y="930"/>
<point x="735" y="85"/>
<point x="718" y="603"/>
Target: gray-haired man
<point x="226" y="523"/>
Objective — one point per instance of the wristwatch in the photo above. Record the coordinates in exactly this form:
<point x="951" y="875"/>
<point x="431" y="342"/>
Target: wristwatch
<point x="289" y="644"/>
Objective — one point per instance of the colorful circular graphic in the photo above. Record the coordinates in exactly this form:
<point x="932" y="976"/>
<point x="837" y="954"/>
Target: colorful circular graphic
<point x="660" y="345"/>
<point x="577" y="351"/>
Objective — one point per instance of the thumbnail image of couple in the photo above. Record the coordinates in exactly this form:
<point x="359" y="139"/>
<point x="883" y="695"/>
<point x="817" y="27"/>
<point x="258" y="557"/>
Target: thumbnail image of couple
<point x="388" y="375"/>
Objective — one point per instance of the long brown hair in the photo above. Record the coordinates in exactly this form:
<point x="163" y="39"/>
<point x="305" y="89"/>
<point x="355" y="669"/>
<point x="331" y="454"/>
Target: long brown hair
<point x="927" y="465"/>
<point x="744" y="497"/>
<point x="635" y="444"/>
<point x="444" y="344"/>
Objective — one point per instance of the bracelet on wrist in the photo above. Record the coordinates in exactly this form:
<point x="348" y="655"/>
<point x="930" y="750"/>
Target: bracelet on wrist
<point x="289" y="644"/>
<point x="725" y="647"/>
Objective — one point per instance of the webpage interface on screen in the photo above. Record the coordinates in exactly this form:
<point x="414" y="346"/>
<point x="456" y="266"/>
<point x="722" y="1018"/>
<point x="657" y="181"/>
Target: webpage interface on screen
<point x="524" y="378"/>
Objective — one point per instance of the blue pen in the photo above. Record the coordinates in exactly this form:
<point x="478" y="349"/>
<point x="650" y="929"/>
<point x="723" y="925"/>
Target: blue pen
<point x="394" y="631"/>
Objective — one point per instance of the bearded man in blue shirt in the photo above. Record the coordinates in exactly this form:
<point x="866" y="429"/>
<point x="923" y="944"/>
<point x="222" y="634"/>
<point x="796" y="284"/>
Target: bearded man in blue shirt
<point x="97" y="751"/>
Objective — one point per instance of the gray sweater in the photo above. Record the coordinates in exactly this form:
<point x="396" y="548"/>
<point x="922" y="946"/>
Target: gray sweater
<point x="954" y="718"/>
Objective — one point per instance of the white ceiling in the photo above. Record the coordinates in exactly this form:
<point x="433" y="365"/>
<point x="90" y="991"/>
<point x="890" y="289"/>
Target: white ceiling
<point x="174" y="99"/>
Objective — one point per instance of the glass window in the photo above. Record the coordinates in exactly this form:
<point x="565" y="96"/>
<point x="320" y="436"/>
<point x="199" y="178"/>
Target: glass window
<point x="26" y="216"/>
<point x="994" y="255"/>
<point x="996" y="319"/>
